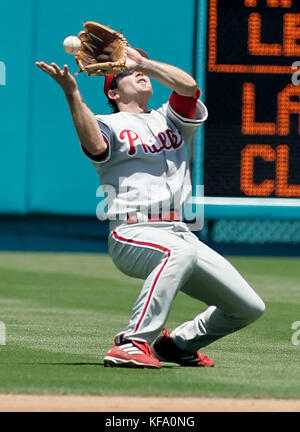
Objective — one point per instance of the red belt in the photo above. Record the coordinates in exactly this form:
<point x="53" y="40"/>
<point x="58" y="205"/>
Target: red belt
<point x="163" y="217"/>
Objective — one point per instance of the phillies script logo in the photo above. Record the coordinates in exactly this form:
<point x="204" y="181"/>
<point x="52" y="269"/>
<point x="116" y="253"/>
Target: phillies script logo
<point x="166" y="141"/>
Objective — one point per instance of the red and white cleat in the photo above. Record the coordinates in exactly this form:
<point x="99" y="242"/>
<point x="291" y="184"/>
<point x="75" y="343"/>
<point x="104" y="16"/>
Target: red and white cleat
<point x="131" y="354"/>
<point x="165" y="349"/>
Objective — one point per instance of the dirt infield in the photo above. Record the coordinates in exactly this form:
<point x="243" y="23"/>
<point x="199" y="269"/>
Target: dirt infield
<point x="28" y="403"/>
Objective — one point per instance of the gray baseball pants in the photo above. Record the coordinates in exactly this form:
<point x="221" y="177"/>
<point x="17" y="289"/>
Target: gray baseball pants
<point x="169" y="257"/>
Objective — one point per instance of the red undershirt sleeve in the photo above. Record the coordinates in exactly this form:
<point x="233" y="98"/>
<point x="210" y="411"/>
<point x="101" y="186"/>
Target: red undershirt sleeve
<point x="184" y="105"/>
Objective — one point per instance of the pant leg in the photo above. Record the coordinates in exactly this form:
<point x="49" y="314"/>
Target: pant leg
<point x="164" y="261"/>
<point x="233" y="303"/>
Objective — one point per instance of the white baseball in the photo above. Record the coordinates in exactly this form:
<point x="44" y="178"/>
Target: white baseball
<point x="72" y="44"/>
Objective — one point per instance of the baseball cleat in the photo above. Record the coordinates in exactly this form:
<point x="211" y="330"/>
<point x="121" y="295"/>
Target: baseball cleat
<point x="131" y="354"/>
<point x="166" y="350"/>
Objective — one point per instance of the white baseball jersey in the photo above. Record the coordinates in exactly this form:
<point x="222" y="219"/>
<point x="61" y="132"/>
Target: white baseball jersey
<point x="147" y="162"/>
<point x="147" y="151"/>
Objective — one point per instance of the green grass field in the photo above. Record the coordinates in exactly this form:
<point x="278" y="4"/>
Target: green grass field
<point x="62" y="311"/>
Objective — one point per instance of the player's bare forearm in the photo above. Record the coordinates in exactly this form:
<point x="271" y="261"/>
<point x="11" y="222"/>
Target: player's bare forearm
<point x="170" y="76"/>
<point x="86" y="125"/>
<point x="84" y="120"/>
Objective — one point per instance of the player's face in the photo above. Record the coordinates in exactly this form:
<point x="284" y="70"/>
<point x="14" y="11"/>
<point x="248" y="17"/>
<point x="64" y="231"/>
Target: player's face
<point x="134" y="85"/>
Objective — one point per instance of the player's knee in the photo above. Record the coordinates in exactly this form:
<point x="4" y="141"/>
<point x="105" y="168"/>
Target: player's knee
<point x="255" y="310"/>
<point x="260" y="308"/>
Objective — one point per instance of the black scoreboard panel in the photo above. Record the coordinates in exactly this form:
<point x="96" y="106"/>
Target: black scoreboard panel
<point x="252" y="135"/>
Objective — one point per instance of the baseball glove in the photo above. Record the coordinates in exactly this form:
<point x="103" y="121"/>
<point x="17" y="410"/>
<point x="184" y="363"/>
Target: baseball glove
<point x="103" y="50"/>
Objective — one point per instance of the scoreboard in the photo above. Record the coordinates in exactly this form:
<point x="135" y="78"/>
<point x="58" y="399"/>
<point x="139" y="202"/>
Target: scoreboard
<point x="252" y="135"/>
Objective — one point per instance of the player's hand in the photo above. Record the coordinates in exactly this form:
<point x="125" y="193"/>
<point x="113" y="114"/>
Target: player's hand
<point x="134" y="59"/>
<point x="62" y="76"/>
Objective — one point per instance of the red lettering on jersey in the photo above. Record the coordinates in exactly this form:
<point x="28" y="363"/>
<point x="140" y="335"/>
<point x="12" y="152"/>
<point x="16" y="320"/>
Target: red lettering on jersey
<point x="132" y="137"/>
<point x="154" y="148"/>
<point x="163" y="139"/>
<point x="146" y="147"/>
<point x="175" y="139"/>
<point x="168" y="139"/>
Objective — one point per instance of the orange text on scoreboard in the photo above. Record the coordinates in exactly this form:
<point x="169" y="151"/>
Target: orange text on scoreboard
<point x="256" y="46"/>
<point x="278" y="185"/>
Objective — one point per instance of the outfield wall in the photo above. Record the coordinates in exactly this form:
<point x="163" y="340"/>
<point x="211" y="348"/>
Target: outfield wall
<point x="48" y="188"/>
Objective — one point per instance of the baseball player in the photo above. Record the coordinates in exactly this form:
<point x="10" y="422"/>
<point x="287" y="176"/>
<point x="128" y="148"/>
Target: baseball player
<point x="141" y="155"/>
